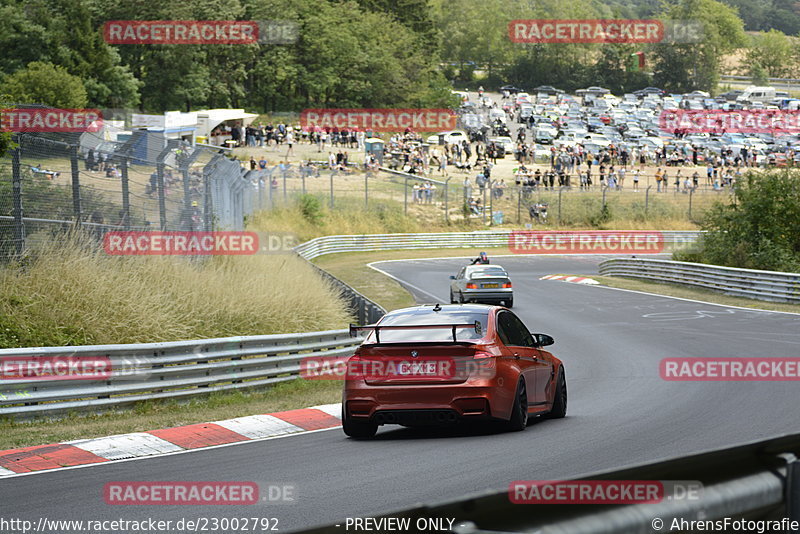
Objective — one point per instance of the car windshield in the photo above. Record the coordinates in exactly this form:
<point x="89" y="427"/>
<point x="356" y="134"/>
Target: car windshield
<point x="427" y="316"/>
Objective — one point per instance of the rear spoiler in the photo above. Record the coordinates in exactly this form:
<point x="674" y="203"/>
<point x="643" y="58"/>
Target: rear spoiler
<point x="354" y="329"/>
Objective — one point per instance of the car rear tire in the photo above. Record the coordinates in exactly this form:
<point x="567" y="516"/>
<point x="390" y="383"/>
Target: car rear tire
<point x="509" y="303"/>
<point x="452" y="299"/>
<point x="358" y="429"/>
<point x="559" y="409"/>
<point x="519" y="411"/>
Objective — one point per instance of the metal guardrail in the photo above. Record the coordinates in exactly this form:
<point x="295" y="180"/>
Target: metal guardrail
<point x="757" y="481"/>
<point x="762" y="285"/>
<point x="479" y="239"/>
<point x="147" y="371"/>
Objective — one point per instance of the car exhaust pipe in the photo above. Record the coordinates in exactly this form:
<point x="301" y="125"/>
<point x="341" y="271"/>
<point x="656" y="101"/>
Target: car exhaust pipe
<point x="440" y="417"/>
<point x="391" y="418"/>
<point x="380" y="419"/>
<point x="452" y="417"/>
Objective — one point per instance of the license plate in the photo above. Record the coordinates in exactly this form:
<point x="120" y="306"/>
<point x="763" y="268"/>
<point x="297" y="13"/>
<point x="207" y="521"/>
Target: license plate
<point x="491" y="286"/>
<point x="416" y="368"/>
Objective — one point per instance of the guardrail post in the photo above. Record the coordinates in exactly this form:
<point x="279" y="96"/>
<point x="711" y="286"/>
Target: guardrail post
<point x="792" y="487"/>
<point x="16" y="203"/>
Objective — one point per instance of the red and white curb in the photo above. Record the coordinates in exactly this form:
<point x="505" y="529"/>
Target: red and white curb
<point x="573" y="279"/>
<point x="168" y="440"/>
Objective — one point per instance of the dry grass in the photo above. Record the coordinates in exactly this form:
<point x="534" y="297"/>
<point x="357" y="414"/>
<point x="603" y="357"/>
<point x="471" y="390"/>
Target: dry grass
<point x="70" y="292"/>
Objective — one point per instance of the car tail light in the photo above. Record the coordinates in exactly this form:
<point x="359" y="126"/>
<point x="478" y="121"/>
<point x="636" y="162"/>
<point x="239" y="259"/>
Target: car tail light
<point x="472" y="285"/>
<point x="507" y="285"/>
<point x="485" y="360"/>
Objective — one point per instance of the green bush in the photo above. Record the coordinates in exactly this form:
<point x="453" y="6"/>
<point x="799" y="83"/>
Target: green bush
<point x="760" y="227"/>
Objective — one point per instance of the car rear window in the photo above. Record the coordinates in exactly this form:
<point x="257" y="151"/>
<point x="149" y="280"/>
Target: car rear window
<point x="427" y="335"/>
<point x="489" y="272"/>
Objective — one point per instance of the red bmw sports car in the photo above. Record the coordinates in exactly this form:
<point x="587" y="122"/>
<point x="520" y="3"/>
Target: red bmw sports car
<point x="442" y="364"/>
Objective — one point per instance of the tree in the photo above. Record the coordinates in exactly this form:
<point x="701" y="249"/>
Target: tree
<point x="758" y="74"/>
<point x="45" y="83"/>
<point x="773" y="52"/>
<point x="63" y="32"/>
<point x="686" y="67"/>
<point x="760" y="227"/>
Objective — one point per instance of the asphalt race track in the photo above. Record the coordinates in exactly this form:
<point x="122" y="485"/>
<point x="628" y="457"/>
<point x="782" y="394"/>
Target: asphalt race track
<point x="620" y="413"/>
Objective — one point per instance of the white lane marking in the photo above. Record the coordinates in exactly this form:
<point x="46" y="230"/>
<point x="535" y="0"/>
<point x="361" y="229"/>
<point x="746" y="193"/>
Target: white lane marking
<point x="259" y="426"/>
<point x="125" y="446"/>
<point x="6" y="472"/>
<point x="697" y="301"/>
<point x="334" y="409"/>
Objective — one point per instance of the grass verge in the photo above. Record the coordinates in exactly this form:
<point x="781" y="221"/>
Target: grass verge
<point x="71" y="293"/>
<point x="165" y="414"/>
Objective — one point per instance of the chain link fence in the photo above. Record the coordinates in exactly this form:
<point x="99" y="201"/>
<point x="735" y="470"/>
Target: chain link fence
<point x="53" y="183"/>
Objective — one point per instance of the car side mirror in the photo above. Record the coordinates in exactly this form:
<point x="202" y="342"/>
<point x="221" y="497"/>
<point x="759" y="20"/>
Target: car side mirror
<point x="452" y="277"/>
<point x="542" y="340"/>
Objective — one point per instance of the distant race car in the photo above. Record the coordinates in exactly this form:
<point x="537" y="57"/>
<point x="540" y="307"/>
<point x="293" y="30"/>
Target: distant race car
<point x="433" y="365"/>
<point x="482" y="283"/>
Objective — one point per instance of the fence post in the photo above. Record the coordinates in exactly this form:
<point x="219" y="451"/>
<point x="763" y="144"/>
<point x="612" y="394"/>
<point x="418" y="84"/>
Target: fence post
<point x="647" y="199"/>
<point x="491" y="202"/>
<point x="519" y="205"/>
<point x="483" y="206"/>
<point x="560" y="190"/>
<point x="405" y="196"/>
<point x="366" y="190"/>
<point x="261" y="190"/>
<point x="332" y="175"/>
<point x="691" y="193"/>
<point x="76" y="184"/>
<point x="284" y="172"/>
<point x="446" y="197"/>
<point x="162" y="203"/>
<point x="126" y="195"/>
<point x="605" y="188"/>
<point x="16" y="203"/>
<point x="271" y="200"/>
